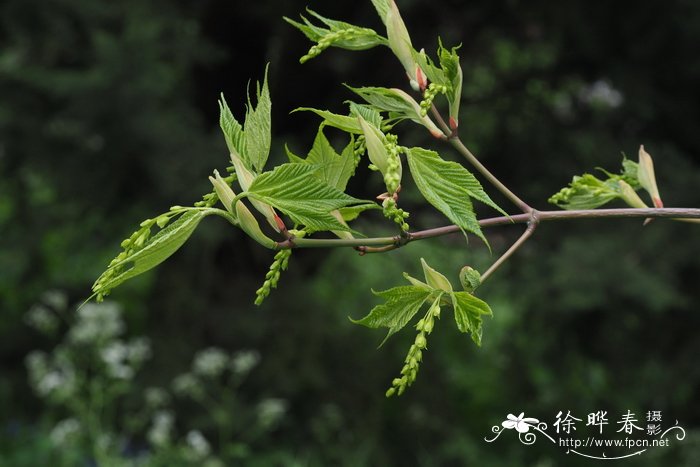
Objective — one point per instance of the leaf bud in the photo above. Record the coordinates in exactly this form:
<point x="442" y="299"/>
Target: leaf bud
<point x="647" y="178"/>
<point x="249" y="224"/>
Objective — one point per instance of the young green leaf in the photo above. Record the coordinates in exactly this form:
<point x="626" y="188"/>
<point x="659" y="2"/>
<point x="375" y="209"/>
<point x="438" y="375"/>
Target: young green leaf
<point x="296" y="191"/>
<point x="468" y="312"/>
<point x="258" y="127"/>
<point x="153" y="251"/>
<point x="448" y="186"/>
<point x="402" y="303"/>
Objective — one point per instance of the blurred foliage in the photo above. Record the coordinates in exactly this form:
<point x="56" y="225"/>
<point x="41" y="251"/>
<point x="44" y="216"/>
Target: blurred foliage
<point x="108" y="114"/>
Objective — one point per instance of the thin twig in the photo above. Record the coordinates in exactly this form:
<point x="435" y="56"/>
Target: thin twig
<point x="531" y="226"/>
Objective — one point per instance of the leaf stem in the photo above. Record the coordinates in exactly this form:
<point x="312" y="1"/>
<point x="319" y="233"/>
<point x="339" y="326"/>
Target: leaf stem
<point x="531" y="226"/>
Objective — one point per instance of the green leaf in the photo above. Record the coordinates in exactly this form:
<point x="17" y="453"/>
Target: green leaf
<point x="233" y="131"/>
<point x="468" y="312"/>
<point x="335" y="169"/>
<point x="154" y="251"/>
<point x="448" y="186"/>
<point x="402" y="303"/>
<point x="258" y="127"/>
<point x="295" y="190"/>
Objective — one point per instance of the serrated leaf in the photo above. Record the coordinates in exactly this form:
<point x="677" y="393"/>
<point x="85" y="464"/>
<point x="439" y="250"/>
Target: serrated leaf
<point x="156" y="249"/>
<point x="402" y="303"/>
<point x="258" y="127"/>
<point x="468" y="311"/>
<point x="434" y="73"/>
<point x="448" y="186"/>
<point x="233" y="131"/>
<point x="335" y="169"/>
<point x="295" y="190"/>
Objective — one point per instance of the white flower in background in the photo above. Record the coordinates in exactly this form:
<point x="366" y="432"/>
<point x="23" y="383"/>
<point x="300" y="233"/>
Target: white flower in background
<point x="271" y="411"/>
<point x="97" y="322"/>
<point x="42" y="319"/>
<point x="210" y="362"/>
<point x="156" y="397"/>
<point x="198" y="443"/>
<point x="161" y="429"/>
<point x="187" y="384"/>
<point x="56" y="299"/>
<point x="115" y="355"/>
<point x="244" y="361"/>
<point x="522" y="425"/>
<point x="139" y="350"/>
<point x="601" y="93"/>
<point x="64" y="431"/>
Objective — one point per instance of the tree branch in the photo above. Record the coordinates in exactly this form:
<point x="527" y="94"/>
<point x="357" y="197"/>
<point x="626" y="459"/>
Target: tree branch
<point x="543" y="216"/>
<point x="531" y="226"/>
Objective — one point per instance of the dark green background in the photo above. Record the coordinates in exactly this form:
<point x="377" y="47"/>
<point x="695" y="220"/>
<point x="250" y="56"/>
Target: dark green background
<point x="108" y="115"/>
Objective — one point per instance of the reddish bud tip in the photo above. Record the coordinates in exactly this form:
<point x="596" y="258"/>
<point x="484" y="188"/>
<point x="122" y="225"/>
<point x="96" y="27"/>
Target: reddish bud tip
<point x="658" y="203"/>
<point x="280" y="223"/>
<point x="421" y="79"/>
<point x="453" y="124"/>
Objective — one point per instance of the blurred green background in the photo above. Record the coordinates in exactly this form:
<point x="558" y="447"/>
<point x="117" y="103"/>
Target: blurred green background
<point x="108" y="116"/>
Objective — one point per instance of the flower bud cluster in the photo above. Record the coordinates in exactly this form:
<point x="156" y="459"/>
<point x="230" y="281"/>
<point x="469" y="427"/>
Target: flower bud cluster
<point x="409" y="372"/>
<point x="210" y="199"/>
<point x="396" y="214"/>
<point x="392" y="176"/>
<point x="429" y="95"/>
<point x="359" y="149"/>
<point x="327" y="41"/>
<point x="272" y="277"/>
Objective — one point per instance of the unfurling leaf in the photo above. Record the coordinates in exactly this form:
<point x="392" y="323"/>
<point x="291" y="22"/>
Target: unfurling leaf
<point x="448" y="186"/>
<point x="470" y="279"/>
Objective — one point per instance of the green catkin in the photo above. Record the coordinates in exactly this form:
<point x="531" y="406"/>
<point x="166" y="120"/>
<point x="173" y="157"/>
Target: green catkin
<point x="392" y="177"/>
<point x="395" y="214"/>
<point x="429" y="96"/>
<point x="272" y="277"/>
<point x="409" y="372"/>
<point x="359" y="149"/>
<point x="327" y="41"/>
